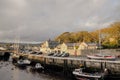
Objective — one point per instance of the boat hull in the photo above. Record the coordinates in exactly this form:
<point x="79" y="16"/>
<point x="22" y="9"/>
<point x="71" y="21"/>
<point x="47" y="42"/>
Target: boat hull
<point x="23" y="62"/>
<point x="77" y="74"/>
<point x="80" y="75"/>
<point x="101" y="57"/>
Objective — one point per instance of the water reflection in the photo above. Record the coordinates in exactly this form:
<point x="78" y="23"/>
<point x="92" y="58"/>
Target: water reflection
<point x="8" y="71"/>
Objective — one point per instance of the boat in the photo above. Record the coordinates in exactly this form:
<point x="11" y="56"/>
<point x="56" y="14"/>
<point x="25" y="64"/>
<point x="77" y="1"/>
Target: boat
<point x="38" y="67"/>
<point x="101" y="57"/>
<point x="23" y="62"/>
<point x="81" y="75"/>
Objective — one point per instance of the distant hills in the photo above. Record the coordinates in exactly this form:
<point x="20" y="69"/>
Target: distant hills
<point x="110" y="36"/>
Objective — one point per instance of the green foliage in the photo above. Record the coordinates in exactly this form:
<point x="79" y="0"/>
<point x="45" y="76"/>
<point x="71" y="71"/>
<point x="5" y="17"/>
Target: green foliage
<point x="108" y="44"/>
<point x="75" y="37"/>
<point x="110" y="36"/>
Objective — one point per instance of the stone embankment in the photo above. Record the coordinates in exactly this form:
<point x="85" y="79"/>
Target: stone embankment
<point x="115" y="52"/>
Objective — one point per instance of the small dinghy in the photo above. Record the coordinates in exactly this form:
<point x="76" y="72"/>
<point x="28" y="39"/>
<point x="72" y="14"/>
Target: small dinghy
<point x="38" y="67"/>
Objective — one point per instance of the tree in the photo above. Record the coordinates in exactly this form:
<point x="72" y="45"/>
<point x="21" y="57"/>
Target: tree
<point x="112" y="32"/>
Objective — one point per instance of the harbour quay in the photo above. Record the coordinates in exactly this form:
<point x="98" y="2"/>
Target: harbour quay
<point x="64" y="66"/>
<point x="74" y="62"/>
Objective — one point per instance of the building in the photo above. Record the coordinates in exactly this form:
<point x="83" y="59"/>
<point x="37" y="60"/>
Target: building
<point x="66" y="46"/>
<point x="49" y="46"/>
<point x="84" y="46"/>
<point x="70" y="48"/>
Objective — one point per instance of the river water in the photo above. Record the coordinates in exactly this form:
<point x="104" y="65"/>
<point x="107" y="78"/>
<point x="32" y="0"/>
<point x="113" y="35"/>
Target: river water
<point x="10" y="72"/>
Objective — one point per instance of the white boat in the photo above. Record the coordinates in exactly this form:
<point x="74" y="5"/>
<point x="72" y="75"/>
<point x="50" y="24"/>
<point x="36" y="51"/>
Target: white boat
<point x="80" y="75"/>
<point x="37" y="67"/>
<point x="101" y="57"/>
<point x="23" y="62"/>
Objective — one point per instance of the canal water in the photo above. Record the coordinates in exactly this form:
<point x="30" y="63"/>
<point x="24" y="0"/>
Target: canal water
<point x="10" y="72"/>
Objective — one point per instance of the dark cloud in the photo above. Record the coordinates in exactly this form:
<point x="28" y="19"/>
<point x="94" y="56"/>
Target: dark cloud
<point x="38" y="20"/>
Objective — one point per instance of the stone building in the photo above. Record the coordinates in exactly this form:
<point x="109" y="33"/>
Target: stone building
<point x="49" y="46"/>
<point x="84" y="46"/>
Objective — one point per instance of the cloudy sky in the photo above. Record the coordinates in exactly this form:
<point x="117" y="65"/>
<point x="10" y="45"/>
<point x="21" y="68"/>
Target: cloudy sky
<point x="39" y="20"/>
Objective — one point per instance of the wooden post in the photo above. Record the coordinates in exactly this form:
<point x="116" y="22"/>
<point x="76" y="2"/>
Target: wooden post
<point x="71" y="63"/>
<point x="84" y="64"/>
<point x="101" y="66"/>
<point x="105" y="64"/>
<point x="65" y="63"/>
<point x="53" y="61"/>
<point x="65" y="67"/>
<point x="44" y="61"/>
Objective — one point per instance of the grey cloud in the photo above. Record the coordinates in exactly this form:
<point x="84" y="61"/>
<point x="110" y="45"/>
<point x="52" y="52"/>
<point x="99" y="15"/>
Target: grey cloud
<point x="38" y="20"/>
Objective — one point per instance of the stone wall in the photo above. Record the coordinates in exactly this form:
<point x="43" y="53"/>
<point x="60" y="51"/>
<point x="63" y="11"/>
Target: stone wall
<point x="115" y="52"/>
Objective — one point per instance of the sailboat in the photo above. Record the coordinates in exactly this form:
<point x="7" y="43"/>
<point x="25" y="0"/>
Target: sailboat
<point x="99" y="55"/>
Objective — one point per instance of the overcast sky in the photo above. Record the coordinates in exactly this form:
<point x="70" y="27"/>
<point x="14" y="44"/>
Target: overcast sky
<point x="39" y="20"/>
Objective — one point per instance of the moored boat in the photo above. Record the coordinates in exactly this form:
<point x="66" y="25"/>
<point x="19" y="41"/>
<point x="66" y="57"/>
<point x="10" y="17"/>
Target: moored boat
<point x="38" y="67"/>
<point x="81" y="75"/>
<point x="103" y="57"/>
<point x="23" y="62"/>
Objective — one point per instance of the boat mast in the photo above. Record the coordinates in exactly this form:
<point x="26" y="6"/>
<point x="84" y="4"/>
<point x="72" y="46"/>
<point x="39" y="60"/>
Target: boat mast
<point x="16" y="45"/>
<point x="99" y="41"/>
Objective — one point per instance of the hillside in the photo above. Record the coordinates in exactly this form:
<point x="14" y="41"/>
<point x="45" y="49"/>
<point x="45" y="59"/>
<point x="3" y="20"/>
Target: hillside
<point x="110" y="36"/>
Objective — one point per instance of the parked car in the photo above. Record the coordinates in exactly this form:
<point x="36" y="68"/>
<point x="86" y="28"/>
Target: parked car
<point x="65" y="55"/>
<point x="33" y="52"/>
<point x="50" y="54"/>
<point x="39" y="53"/>
<point x="60" y="54"/>
<point x="55" y="54"/>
